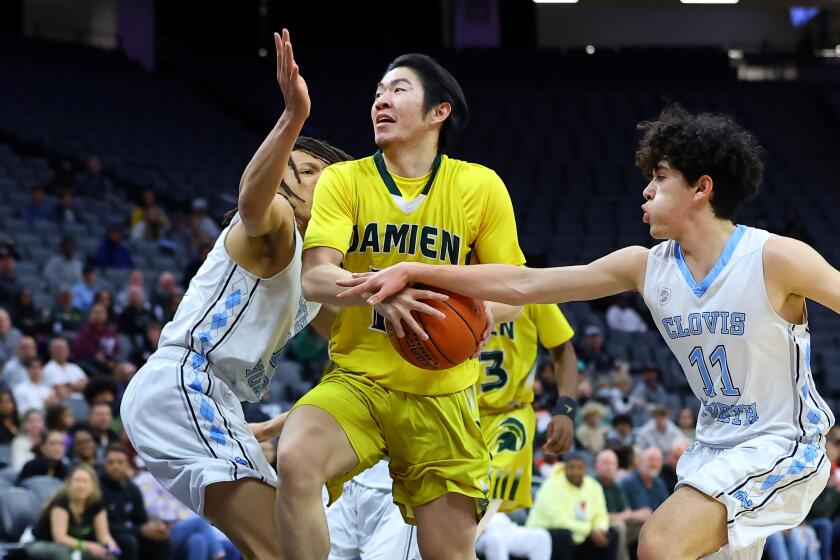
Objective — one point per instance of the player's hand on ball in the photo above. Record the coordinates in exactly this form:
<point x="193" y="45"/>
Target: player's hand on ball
<point x="382" y="284"/>
<point x="561" y="432"/>
<point x="398" y="308"/>
<point x="293" y="86"/>
<point x="488" y="330"/>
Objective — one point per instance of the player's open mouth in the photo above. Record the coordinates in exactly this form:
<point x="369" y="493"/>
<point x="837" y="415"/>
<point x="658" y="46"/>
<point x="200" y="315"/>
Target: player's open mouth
<point x="381" y="119"/>
<point x="646" y="218"/>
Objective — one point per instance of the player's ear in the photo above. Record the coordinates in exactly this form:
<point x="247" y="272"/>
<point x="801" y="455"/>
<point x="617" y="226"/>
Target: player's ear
<point x="704" y="187"/>
<point x="440" y="112"/>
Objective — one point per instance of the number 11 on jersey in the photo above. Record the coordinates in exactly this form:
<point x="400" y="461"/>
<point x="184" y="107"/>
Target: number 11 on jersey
<point x="717" y="358"/>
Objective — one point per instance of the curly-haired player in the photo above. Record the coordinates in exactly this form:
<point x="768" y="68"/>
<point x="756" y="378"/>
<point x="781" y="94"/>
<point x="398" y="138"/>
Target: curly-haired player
<point x="730" y="302"/>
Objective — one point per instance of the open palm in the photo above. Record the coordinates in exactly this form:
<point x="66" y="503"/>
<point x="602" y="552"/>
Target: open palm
<point x="293" y="86"/>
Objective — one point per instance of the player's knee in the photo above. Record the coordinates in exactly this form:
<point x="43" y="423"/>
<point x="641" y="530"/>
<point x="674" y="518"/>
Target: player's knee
<point x="298" y="469"/>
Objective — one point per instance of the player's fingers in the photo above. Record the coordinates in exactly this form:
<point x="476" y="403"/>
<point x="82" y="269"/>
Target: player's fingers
<point x="427" y="294"/>
<point x="363" y="274"/>
<point x="351" y="282"/>
<point x="397" y="324"/>
<point x="427" y="309"/>
<point x="413" y="324"/>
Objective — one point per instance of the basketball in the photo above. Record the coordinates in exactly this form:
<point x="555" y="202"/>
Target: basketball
<point x="451" y="340"/>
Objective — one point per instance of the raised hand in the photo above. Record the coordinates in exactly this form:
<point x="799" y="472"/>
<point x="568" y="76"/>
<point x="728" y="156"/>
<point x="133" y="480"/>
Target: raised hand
<point x="397" y="309"/>
<point x="293" y="86"/>
<point x="381" y="285"/>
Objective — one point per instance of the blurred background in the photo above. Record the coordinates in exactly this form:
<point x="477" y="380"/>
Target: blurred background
<point x="125" y="126"/>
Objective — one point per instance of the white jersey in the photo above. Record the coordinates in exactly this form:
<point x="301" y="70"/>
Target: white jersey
<point x="236" y="323"/>
<point x="750" y="368"/>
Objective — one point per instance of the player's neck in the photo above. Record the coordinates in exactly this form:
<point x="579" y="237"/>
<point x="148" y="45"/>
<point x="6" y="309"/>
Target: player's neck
<point x="703" y="243"/>
<point x="411" y="159"/>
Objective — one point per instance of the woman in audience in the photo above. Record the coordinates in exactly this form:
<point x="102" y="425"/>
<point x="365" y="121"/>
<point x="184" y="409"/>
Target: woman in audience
<point x="74" y="520"/>
<point x="84" y="448"/>
<point x="59" y="417"/>
<point x="687" y="422"/>
<point x="28" y="438"/>
<point x="49" y="460"/>
<point x="9" y="419"/>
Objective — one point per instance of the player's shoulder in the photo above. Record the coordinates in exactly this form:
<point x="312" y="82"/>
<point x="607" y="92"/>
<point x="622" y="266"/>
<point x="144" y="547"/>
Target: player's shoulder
<point x="477" y="174"/>
<point x="352" y="167"/>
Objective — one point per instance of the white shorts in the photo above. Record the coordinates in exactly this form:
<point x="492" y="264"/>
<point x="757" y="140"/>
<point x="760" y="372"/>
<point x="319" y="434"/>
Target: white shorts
<point x="767" y="484"/>
<point x="366" y="523"/>
<point x="188" y="428"/>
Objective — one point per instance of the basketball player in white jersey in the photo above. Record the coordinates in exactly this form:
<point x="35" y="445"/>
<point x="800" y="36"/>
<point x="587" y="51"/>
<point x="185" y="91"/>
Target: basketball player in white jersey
<point x="182" y="410"/>
<point x="730" y="302"/>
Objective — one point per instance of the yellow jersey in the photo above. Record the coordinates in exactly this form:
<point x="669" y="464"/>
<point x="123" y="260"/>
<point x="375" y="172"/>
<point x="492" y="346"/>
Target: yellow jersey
<point x="377" y="220"/>
<point x="510" y="357"/>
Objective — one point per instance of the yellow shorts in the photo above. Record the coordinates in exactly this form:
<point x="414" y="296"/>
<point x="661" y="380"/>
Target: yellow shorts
<point x="433" y="443"/>
<point x="510" y="437"/>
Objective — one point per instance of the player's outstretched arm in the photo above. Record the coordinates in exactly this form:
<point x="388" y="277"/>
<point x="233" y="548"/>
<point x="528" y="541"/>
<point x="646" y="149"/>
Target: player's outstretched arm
<point x="260" y="212"/>
<point x="621" y="271"/>
<point x="801" y="270"/>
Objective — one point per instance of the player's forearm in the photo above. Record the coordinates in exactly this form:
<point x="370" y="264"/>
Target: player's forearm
<point x="263" y="174"/>
<point x="319" y="285"/>
<point x="566" y="369"/>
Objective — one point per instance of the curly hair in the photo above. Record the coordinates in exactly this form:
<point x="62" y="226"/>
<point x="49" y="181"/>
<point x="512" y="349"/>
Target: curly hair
<point x="704" y="144"/>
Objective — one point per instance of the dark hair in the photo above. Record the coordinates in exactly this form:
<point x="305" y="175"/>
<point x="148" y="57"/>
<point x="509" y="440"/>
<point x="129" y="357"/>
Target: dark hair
<point x="44" y="437"/>
<point x="15" y="418"/>
<point x="116" y="448"/>
<point x="52" y="418"/>
<point x="574" y="456"/>
<point x="98" y="385"/>
<point x="316" y="148"/>
<point x="439" y="86"/>
<point x="704" y="144"/>
<point x="622" y="419"/>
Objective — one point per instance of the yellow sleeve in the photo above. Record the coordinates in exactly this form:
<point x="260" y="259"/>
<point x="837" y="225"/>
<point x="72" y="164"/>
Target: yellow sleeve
<point x="552" y="327"/>
<point x="497" y="240"/>
<point x="332" y="221"/>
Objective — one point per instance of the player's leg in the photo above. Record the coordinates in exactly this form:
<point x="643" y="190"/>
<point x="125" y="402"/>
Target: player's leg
<point x="244" y="510"/>
<point x="446" y="528"/>
<point x="318" y="447"/>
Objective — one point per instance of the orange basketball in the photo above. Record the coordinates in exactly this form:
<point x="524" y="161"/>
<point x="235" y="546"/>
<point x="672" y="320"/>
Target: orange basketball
<point x="451" y="340"/>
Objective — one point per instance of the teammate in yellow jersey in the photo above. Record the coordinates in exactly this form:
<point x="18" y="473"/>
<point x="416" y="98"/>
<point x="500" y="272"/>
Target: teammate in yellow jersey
<point x="506" y="391"/>
<point x="408" y="202"/>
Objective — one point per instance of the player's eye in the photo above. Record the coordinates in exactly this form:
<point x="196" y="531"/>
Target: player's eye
<point x="377" y="95"/>
<point x="660" y="178"/>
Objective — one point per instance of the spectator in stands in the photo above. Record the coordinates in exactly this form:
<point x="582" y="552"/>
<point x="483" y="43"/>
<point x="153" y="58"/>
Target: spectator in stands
<point x="593" y="353"/>
<point x="101" y="389"/>
<point x="106" y="298"/>
<point x="149" y="205"/>
<point x="9" y="285"/>
<point x="65" y="177"/>
<point x="621" y="433"/>
<point x="97" y="343"/>
<point x="127" y="518"/>
<point x="64" y="269"/>
<point x="135" y="280"/>
<point x="96" y="183"/>
<point x="112" y="252"/>
<point x="177" y="296"/>
<point x="687" y="422"/>
<point x="83" y="448"/>
<point x="74" y="519"/>
<point x="85" y="291"/>
<point x="29" y="318"/>
<point x="165" y="292"/>
<point x="34" y="392"/>
<point x="190" y="535"/>
<point x="65" y="213"/>
<point x="9" y="336"/>
<point x="48" y="461"/>
<point x="59" y="418"/>
<point x="591" y="434"/>
<point x="60" y="373"/>
<point x="123" y="373"/>
<point x="98" y="424"/>
<point x="148" y="343"/>
<point x="644" y="488"/>
<point x="201" y="223"/>
<point x="622" y="317"/>
<point x="14" y="372"/>
<point x="64" y="316"/>
<point x="573" y="508"/>
<point x="195" y="264"/>
<point x="28" y="438"/>
<point x="659" y="432"/>
<point x="669" y="469"/>
<point x="624" y="521"/>
<point x="9" y="417"/>
<point x="152" y="227"/>
<point x="621" y="398"/>
<point x="650" y="390"/>
<point x="39" y="208"/>
<point x="136" y="316"/>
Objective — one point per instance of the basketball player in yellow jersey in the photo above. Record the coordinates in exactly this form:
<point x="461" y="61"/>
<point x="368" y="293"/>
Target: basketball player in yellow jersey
<point x="506" y="391"/>
<point x="408" y="202"/>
